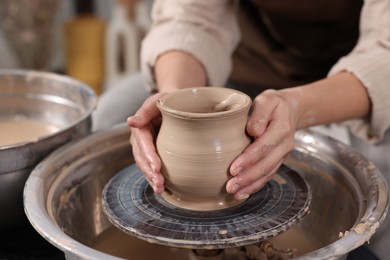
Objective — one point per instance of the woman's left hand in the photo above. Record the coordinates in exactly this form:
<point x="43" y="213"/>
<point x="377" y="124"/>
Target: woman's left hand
<point x="278" y="114"/>
<point x="272" y="125"/>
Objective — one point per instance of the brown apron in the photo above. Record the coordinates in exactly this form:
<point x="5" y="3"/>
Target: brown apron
<point x="287" y="43"/>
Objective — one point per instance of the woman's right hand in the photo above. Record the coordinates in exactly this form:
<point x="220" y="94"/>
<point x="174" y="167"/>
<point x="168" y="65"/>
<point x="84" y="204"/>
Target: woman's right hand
<point x="171" y="73"/>
<point x="144" y="127"/>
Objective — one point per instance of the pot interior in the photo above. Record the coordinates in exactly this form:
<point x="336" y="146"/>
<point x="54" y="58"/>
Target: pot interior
<point x="193" y="102"/>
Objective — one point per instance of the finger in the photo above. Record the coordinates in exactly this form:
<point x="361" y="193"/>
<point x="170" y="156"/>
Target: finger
<point x="255" y="186"/>
<point x="151" y="177"/>
<point x="258" y="170"/>
<point x="146" y="157"/>
<point x="252" y="154"/>
<point x="278" y="133"/>
<point x="146" y="112"/>
<point x="263" y="107"/>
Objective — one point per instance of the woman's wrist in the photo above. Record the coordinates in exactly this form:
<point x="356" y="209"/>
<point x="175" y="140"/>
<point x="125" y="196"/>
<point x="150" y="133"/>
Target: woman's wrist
<point x="176" y="69"/>
<point x="334" y="99"/>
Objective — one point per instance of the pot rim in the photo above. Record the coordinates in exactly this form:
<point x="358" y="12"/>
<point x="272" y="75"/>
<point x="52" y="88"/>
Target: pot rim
<point x="244" y="105"/>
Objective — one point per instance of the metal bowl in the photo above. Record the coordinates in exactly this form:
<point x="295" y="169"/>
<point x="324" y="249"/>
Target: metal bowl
<point x="62" y="199"/>
<point x="47" y="97"/>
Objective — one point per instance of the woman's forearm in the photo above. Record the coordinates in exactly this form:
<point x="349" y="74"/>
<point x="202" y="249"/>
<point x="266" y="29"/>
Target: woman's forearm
<point x="176" y="69"/>
<point x="334" y="99"/>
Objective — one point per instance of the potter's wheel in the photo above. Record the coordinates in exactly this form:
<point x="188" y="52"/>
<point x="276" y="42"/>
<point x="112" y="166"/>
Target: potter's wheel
<point x="133" y="207"/>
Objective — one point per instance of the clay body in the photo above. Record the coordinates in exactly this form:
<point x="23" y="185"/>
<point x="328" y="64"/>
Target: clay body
<point x="202" y="132"/>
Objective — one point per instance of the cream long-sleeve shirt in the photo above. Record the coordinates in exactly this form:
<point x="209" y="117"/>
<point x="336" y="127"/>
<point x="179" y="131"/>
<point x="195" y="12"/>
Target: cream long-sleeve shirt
<point x="209" y="31"/>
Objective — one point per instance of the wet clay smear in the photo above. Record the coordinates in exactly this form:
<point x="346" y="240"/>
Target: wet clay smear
<point x="260" y="251"/>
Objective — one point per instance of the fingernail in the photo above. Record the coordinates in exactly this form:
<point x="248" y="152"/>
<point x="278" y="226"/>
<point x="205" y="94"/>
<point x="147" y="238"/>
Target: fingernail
<point x="235" y="188"/>
<point x="135" y="117"/>
<point x="243" y="196"/>
<point x="236" y="170"/>
<point x="154" y="181"/>
<point x="151" y="165"/>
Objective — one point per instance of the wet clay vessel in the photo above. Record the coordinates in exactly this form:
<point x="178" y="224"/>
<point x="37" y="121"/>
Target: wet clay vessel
<point x="202" y="132"/>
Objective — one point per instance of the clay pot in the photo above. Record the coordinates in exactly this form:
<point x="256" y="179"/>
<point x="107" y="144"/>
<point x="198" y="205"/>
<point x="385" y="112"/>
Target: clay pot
<point x="202" y="132"/>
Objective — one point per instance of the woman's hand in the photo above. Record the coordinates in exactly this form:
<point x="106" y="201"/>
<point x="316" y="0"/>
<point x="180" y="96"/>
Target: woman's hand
<point x="144" y="127"/>
<point x="171" y="72"/>
<point x="272" y="124"/>
<point x="278" y="114"/>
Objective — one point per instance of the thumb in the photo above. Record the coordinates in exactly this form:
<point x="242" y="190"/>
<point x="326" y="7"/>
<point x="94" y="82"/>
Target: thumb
<point x="146" y="113"/>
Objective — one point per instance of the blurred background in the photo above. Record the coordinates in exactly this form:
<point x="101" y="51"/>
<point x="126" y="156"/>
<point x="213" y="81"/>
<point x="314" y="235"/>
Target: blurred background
<point x="95" y="41"/>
